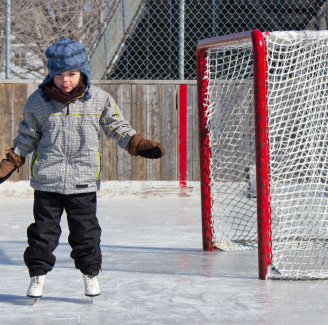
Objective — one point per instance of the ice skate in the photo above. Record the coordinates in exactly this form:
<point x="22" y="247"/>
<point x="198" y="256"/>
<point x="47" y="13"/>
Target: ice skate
<point x="91" y="286"/>
<point x="36" y="286"/>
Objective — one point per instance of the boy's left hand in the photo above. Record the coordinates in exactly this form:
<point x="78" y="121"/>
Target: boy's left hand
<point x="139" y="146"/>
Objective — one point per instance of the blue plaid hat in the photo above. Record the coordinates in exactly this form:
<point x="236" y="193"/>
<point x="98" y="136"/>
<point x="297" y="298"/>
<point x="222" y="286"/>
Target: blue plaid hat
<point x="66" y="55"/>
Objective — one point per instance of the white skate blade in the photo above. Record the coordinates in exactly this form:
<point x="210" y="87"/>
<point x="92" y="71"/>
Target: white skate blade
<point x="35" y="300"/>
<point x="91" y="296"/>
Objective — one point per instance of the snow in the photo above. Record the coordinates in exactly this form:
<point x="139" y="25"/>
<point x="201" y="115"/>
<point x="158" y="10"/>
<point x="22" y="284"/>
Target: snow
<point x="111" y="188"/>
<point x="30" y="66"/>
<point x="154" y="269"/>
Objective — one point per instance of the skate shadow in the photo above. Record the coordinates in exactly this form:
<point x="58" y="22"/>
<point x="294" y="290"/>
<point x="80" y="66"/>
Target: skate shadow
<point x="26" y="301"/>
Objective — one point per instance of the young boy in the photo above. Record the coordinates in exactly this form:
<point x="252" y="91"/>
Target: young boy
<point x="61" y="126"/>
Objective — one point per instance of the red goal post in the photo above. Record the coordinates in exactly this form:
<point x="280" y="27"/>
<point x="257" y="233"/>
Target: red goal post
<point x="263" y="116"/>
<point x="262" y="162"/>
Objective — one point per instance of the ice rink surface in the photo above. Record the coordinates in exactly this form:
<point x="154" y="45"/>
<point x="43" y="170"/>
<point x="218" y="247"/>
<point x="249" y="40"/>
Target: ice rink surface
<point x="154" y="272"/>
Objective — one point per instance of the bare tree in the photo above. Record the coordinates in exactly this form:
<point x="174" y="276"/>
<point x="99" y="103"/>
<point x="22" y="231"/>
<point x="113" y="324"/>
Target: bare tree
<point x="36" y="24"/>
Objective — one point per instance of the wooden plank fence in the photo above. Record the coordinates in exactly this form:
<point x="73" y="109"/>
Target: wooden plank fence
<point x="152" y="109"/>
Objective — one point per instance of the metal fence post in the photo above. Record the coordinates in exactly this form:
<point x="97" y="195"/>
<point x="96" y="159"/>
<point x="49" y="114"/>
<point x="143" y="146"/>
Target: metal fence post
<point x="8" y="4"/>
<point x="181" y="38"/>
<point x="216" y="20"/>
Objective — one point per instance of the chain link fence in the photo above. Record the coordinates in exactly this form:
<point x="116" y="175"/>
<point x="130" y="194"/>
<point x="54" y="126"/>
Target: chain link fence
<point x="137" y="39"/>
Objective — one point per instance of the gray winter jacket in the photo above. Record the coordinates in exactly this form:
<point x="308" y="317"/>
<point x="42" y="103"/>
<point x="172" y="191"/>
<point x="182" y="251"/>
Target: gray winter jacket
<point x="65" y="140"/>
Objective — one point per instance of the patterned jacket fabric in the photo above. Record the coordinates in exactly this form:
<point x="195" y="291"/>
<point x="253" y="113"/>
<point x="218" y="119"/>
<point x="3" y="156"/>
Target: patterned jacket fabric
<point x="65" y="140"/>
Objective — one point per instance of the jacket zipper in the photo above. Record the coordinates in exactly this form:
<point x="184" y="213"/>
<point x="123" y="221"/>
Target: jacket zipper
<point x="99" y="166"/>
<point x="34" y="162"/>
<point x="67" y="143"/>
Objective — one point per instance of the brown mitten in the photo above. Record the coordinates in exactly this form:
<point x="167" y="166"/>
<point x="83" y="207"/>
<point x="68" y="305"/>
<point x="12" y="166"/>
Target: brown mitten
<point x="9" y="165"/>
<point x="139" y="146"/>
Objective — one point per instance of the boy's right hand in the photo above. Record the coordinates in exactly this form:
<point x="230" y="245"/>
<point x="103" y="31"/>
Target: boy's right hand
<point x="9" y="165"/>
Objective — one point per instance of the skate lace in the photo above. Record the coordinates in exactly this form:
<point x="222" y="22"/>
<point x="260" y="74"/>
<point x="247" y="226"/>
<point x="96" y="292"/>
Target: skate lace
<point x="37" y="283"/>
<point x="90" y="280"/>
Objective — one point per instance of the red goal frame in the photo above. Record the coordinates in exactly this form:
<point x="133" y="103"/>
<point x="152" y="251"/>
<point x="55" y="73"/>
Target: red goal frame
<point x="261" y="142"/>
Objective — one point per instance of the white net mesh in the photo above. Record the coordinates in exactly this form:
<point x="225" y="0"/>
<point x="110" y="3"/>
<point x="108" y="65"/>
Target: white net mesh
<point x="298" y="116"/>
<point x="298" y="119"/>
<point x="231" y="116"/>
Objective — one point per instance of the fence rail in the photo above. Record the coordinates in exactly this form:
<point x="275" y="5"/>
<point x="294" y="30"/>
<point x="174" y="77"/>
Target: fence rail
<point x="151" y="107"/>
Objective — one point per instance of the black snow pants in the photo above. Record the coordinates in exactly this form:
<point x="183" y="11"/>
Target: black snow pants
<point x="43" y="235"/>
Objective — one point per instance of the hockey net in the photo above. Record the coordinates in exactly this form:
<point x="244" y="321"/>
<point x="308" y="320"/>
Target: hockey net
<point x="297" y="119"/>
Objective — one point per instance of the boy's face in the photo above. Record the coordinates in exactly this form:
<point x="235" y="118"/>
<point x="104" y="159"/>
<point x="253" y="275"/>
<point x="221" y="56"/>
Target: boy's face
<point x="68" y="80"/>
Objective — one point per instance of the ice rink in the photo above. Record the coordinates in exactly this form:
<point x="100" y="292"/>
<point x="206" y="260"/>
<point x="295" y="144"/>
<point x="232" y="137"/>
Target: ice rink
<point x="154" y="270"/>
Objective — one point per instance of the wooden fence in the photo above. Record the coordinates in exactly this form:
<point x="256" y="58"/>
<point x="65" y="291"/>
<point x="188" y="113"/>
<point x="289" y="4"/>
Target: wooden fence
<point x="152" y="109"/>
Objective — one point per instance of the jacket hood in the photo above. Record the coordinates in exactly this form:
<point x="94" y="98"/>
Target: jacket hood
<point x="66" y="55"/>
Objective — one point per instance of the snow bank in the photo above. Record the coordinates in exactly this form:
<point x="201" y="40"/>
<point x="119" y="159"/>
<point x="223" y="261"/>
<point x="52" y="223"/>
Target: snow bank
<point x="112" y="188"/>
